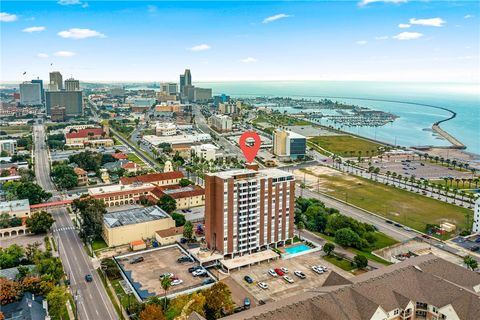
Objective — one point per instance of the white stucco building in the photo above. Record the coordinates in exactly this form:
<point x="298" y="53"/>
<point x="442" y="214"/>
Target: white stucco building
<point x="476" y="216"/>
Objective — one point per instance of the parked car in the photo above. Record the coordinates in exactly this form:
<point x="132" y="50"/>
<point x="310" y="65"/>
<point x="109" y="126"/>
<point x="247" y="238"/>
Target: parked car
<point x="263" y="285"/>
<point x="389" y="221"/>
<point x="136" y="260"/>
<point x="288" y="279"/>
<point x="176" y="282"/>
<point x="184" y="259"/>
<point x="398" y="225"/>
<point x="300" y="274"/>
<point x="194" y="268"/>
<point x="88" y="278"/>
<point x="166" y="274"/>
<point x="407" y="228"/>
<point x="279" y="272"/>
<point x="248" y="279"/>
<point x="285" y="270"/>
<point x="208" y="281"/>
<point x="475" y="248"/>
<point x="272" y="272"/>
<point x="477" y="240"/>
<point x="317" y="270"/>
<point x="246" y="302"/>
<point x="199" y="273"/>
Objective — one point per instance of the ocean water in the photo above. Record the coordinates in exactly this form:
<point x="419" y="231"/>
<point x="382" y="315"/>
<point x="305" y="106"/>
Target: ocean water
<point x="412" y="128"/>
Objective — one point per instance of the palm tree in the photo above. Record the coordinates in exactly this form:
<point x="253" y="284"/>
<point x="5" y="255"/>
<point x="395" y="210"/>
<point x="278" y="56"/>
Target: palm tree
<point x="300" y="227"/>
<point x="388" y="173"/>
<point x="457" y="181"/>
<point x="436" y="158"/>
<point x="405" y="179"/>
<point x="166" y="283"/>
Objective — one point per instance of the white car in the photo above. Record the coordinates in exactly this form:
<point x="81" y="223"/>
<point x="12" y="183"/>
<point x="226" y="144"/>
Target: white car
<point x="285" y="270"/>
<point x="317" y="270"/>
<point x="176" y="282"/>
<point x="199" y="272"/>
<point x="300" y="274"/>
<point x="263" y="285"/>
<point x="288" y="279"/>
<point x="272" y="273"/>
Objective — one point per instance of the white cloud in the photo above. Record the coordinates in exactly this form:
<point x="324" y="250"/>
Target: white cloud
<point x="404" y="25"/>
<point x="408" y="35"/>
<point x="468" y="16"/>
<point x="69" y="2"/>
<point x="200" y="47"/>
<point x="76" y="33"/>
<point x="367" y="2"/>
<point x="361" y="42"/>
<point x="42" y="55"/>
<point x="33" y="29"/>
<point x="275" y="17"/>
<point x="64" y="54"/>
<point x="152" y="8"/>
<point x="249" y="60"/>
<point x="8" y="17"/>
<point x="381" y="38"/>
<point x="432" y="22"/>
<point x="85" y="5"/>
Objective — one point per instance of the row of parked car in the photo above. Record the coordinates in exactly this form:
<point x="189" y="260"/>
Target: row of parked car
<point x="283" y="272"/>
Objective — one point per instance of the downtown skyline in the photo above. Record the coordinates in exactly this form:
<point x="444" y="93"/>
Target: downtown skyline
<point x="391" y="40"/>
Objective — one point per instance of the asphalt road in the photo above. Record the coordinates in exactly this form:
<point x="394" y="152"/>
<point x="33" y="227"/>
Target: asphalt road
<point x="92" y="300"/>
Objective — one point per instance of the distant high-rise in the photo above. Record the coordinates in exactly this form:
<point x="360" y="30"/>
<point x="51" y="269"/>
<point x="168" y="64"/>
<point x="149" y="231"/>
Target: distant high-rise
<point x="185" y="81"/>
<point x="40" y="82"/>
<point x="30" y="94"/>
<point x="72" y="101"/>
<point x="56" y="78"/>
<point x="72" y="85"/>
<point x="168" y="88"/>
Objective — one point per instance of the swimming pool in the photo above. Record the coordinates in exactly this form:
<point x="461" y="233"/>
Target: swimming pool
<point x="297" y="249"/>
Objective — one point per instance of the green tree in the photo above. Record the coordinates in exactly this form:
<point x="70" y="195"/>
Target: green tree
<point x="328" y="248"/>
<point x="64" y="176"/>
<point x="49" y="267"/>
<point x="40" y="222"/>
<point x="188" y="230"/>
<point x="218" y="299"/>
<point x="10" y="257"/>
<point x="179" y="219"/>
<point x="110" y="268"/>
<point x="91" y="212"/>
<point x="57" y="298"/>
<point x="185" y="182"/>
<point x="33" y="192"/>
<point x="470" y="262"/>
<point x="166" y="283"/>
<point x="346" y="237"/>
<point x="4" y="220"/>
<point x="360" y="261"/>
<point x="300" y="228"/>
<point x="167" y="203"/>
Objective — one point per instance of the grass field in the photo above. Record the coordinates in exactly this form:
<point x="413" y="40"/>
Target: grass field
<point x="347" y="146"/>
<point x="340" y="262"/>
<point x="98" y="244"/>
<point x="133" y="157"/>
<point x="399" y="205"/>
<point x="280" y="120"/>
<point x="16" y="129"/>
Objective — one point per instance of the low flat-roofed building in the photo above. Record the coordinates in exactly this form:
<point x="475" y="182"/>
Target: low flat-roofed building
<point x="165" y="129"/>
<point x="185" y="197"/>
<point x="125" y="227"/>
<point x="16" y="208"/>
<point x="178" y="139"/>
<point x="205" y="151"/>
<point x="169" y="236"/>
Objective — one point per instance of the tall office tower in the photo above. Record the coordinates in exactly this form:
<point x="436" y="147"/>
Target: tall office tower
<point x="42" y="91"/>
<point x="56" y="78"/>
<point x="188" y="77"/>
<point x="30" y="94"/>
<point x="72" y="85"/>
<point x="248" y="210"/>
<point x="72" y="101"/>
<point x="182" y="84"/>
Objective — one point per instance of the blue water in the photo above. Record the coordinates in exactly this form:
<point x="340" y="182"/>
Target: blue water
<point x="297" y="249"/>
<point x="412" y="128"/>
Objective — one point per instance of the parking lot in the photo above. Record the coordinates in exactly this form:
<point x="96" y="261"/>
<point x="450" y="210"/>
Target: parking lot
<point x="145" y="276"/>
<point x="279" y="288"/>
<point x="420" y="169"/>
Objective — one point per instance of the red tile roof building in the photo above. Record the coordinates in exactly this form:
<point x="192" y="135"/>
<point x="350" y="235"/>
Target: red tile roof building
<point x="159" y="178"/>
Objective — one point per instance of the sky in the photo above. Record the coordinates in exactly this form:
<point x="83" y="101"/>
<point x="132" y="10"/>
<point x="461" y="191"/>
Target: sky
<point x="368" y="40"/>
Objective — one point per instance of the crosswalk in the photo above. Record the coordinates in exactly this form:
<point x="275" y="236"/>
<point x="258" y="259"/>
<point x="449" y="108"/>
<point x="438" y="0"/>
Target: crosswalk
<point x="63" y="229"/>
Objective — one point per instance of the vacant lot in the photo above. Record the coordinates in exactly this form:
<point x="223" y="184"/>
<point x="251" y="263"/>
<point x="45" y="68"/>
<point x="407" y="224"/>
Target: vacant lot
<point x="278" y="288"/>
<point x="16" y="129"/>
<point x="145" y="275"/>
<point x="405" y="207"/>
<point x="347" y="146"/>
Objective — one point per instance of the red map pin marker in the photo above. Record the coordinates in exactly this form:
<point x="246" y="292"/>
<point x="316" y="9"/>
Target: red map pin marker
<point x="250" y="152"/>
